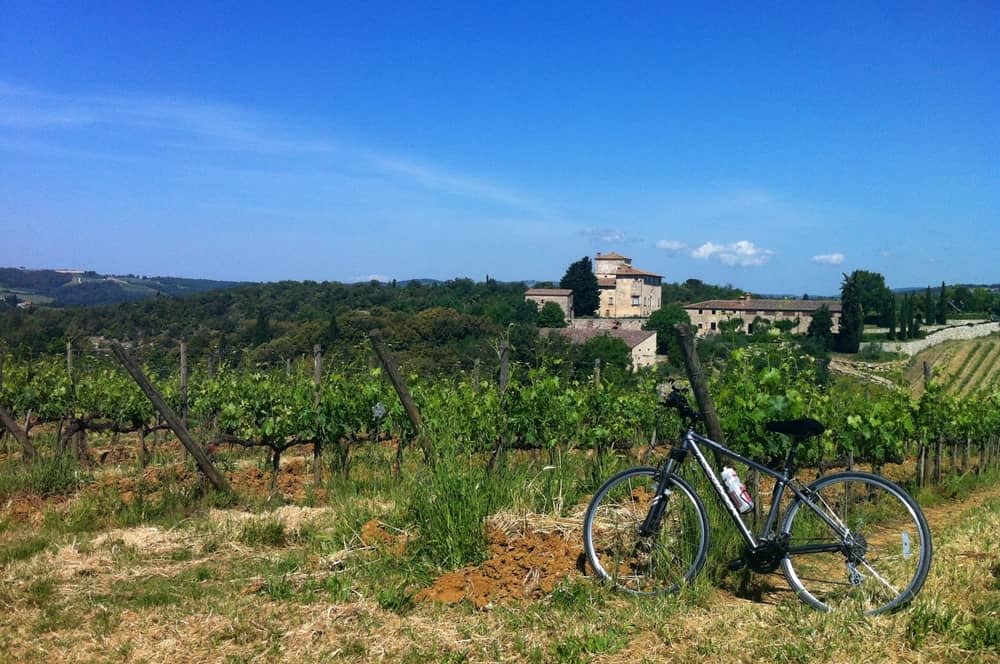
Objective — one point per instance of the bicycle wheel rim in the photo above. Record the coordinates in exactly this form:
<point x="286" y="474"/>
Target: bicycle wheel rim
<point x="883" y="564"/>
<point x="645" y="565"/>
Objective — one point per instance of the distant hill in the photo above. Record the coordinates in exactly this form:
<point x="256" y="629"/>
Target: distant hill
<point x="65" y="288"/>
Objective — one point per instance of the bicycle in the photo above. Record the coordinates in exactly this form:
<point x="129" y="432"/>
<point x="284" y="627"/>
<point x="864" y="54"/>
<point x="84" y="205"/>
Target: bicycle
<point x="847" y="540"/>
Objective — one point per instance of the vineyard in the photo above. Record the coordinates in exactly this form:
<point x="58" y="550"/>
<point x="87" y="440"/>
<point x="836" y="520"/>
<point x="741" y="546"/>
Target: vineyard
<point x="963" y="367"/>
<point x="387" y="500"/>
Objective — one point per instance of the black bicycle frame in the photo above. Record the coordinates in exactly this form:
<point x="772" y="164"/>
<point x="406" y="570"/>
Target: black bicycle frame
<point x="783" y="480"/>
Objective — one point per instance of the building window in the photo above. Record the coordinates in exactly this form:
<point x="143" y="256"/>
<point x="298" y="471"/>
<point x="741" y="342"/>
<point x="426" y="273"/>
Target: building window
<point x="713" y="326"/>
<point x="699" y="313"/>
<point x="635" y="300"/>
<point x="701" y="325"/>
<point x="713" y="312"/>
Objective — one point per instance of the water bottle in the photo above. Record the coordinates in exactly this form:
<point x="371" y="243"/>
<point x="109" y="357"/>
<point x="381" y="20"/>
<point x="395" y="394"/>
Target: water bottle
<point x="737" y="490"/>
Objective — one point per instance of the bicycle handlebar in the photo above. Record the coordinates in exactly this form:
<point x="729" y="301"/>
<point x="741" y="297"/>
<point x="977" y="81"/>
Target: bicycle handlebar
<point x="679" y="402"/>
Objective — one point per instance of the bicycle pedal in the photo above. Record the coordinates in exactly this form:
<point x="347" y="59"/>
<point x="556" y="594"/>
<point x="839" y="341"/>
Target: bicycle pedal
<point x="737" y="565"/>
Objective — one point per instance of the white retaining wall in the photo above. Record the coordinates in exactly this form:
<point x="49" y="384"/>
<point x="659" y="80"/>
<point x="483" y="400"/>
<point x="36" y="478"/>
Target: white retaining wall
<point x="957" y="333"/>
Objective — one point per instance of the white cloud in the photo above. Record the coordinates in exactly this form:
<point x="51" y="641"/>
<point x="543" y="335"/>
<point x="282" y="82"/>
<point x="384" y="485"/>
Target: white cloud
<point x="672" y="246"/>
<point x="611" y="236"/>
<point x="829" y="259"/>
<point x="740" y="254"/>
<point x="372" y="277"/>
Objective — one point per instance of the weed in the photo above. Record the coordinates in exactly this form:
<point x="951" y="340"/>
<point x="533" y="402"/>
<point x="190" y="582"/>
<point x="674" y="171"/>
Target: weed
<point x="262" y="532"/>
<point x="47" y="476"/>
<point x="582" y="648"/>
<point x="22" y="549"/>
<point x="450" y="507"/>
<point x="398" y="599"/>
<point x="40" y="592"/>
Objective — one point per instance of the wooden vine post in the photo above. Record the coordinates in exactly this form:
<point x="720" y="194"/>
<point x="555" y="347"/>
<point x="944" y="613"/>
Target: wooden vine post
<point x="318" y="382"/>
<point x="389" y="364"/>
<point x="173" y="421"/>
<point x="184" y="382"/>
<point x="699" y="385"/>
<point x="498" y="452"/>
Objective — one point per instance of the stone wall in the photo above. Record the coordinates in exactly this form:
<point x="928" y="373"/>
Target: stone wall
<point x="956" y="333"/>
<point x="608" y="323"/>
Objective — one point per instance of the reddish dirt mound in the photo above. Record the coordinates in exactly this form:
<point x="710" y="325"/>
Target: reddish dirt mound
<point x="295" y="481"/>
<point x="379" y="535"/>
<point x="523" y="567"/>
<point x="149" y="484"/>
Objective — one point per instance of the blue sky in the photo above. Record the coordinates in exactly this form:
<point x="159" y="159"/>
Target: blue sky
<point x="773" y="147"/>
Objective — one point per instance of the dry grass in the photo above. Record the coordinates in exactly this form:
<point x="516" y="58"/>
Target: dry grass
<point x="197" y="592"/>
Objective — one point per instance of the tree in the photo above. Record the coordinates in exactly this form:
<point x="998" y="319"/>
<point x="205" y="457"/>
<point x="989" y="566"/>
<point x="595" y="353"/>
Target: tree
<point x="890" y="308"/>
<point x="820" y="328"/>
<point x="730" y="327"/>
<point x="580" y="279"/>
<point x="551" y="315"/>
<point x="851" y="315"/>
<point x="871" y="292"/>
<point x="262" y="329"/>
<point x="785" y="326"/>
<point x="906" y="314"/>
<point x="928" y="307"/>
<point x="942" y="306"/>
<point x="662" y="321"/>
<point x="612" y="352"/>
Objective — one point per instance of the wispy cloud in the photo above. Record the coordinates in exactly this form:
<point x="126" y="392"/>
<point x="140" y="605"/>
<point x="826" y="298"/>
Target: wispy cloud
<point x="671" y="246"/>
<point x="829" y="259"/>
<point x="198" y="124"/>
<point x="610" y="236"/>
<point x="740" y="254"/>
<point x="438" y="179"/>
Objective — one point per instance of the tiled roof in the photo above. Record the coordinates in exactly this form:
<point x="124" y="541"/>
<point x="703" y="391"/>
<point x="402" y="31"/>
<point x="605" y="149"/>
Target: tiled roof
<point x="580" y="335"/>
<point x="768" y="305"/>
<point x="548" y="291"/>
<point x="612" y="256"/>
<point x="629" y="271"/>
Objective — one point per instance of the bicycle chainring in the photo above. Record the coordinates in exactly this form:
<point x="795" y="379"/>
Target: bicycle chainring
<point x="768" y="555"/>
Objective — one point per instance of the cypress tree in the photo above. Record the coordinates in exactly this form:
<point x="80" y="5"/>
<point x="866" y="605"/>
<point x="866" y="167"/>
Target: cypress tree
<point x="929" y="314"/>
<point x="942" y="308"/>
<point x="580" y="279"/>
<point x="851" y="321"/>
<point x="890" y="309"/>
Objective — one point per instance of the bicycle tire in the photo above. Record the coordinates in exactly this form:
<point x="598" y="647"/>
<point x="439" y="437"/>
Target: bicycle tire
<point x="645" y="565"/>
<point x="884" y="561"/>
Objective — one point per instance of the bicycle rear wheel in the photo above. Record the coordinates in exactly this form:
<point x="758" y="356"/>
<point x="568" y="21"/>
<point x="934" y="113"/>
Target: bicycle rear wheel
<point x="660" y="562"/>
<point x="877" y="566"/>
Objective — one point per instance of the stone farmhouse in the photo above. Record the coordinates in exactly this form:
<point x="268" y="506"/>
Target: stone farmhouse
<point x="561" y="296"/>
<point x="641" y="343"/>
<point x="625" y="291"/>
<point x="706" y="316"/>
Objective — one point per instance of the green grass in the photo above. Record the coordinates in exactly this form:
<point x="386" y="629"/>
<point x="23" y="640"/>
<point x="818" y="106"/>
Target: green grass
<point x="22" y="549"/>
<point x="46" y="476"/>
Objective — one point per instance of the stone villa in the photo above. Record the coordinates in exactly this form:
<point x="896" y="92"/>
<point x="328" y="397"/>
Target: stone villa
<point x="641" y="343"/>
<point x="561" y="296"/>
<point x="626" y="291"/>
<point x="707" y="315"/>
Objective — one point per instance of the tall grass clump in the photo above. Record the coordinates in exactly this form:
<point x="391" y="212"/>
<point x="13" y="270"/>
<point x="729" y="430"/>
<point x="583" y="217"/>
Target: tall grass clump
<point x="46" y="476"/>
<point x="449" y="504"/>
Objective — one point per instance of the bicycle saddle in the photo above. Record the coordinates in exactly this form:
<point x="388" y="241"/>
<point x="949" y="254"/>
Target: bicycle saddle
<point x="804" y="428"/>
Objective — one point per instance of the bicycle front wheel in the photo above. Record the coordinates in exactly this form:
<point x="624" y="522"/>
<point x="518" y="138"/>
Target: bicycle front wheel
<point x="659" y="562"/>
<point x="877" y="561"/>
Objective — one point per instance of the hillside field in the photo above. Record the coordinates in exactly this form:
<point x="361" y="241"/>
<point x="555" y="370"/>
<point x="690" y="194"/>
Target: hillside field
<point x="963" y="366"/>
